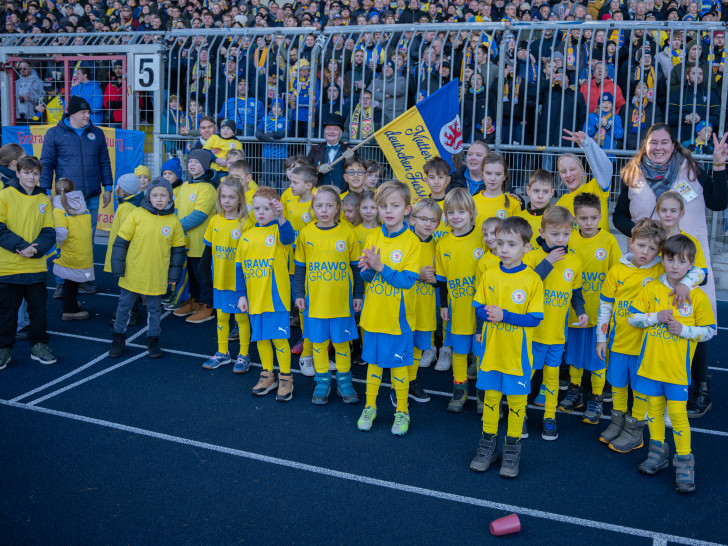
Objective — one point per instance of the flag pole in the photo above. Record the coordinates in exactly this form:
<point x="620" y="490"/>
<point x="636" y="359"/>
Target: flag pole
<point x="354" y="149"/>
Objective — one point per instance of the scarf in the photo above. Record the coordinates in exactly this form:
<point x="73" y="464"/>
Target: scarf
<point x="699" y="145"/>
<point x="717" y="66"/>
<point x="650" y="81"/>
<point x="570" y="55"/>
<point x="617" y="36"/>
<point x="604" y="128"/>
<point x="367" y="123"/>
<point x="638" y="115"/>
<point x="206" y="78"/>
<point x="660" y="177"/>
<point x="299" y="88"/>
<point x="675" y="56"/>
<point x="261" y="55"/>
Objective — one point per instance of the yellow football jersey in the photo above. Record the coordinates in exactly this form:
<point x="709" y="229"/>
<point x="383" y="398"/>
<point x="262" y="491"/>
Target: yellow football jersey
<point x="222" y="144"/>
<point x="223" y="237"/>
<point x="122" y="211"/>
<point x="486" y="262"/>
<point x="559" y="286"/>
<point x="77" y="249"/>
<point x="443" y="228"/>
<point x="25" y="215"/>
<point x="598" y="255"/>
<point x="390" y="310"/>
<point x="263" y="260"/>
<point x="664" y="356"/>
<point x="299" y="215"/>
<point x="699" y="255"/>
<point x="362" y="233"/>
<point x="199" y="196"/>
<point x="456" y="263"/>
<point x="328" y="256"/>
<point x="507" y="346"/>
<point x="620" y="288"/>
<point x="151" y="238"/>
<point x="535" y="222"/>
<point x="489" y="207"/>
<point x="426" y="320"/>
<point x="567" y="201"/>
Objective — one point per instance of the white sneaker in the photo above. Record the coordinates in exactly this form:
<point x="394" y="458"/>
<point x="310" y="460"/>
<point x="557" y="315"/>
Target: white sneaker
<point x="332" y="366"/>
<point x="306" y="365"/>
<point x="668" y="423"/>
<point x="444" y="363"/>
<point x="428" y="357"/>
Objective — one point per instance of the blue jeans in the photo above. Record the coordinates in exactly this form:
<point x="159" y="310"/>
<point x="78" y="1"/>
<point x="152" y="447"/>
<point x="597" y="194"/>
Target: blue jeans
<point x="92" y="203"/>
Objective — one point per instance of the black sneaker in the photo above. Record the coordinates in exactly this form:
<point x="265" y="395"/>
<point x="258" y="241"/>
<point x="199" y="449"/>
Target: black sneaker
<point x="593" y="410"/>
<point x="118" y="343"/>
<point x="699" y="403"/>
<point x="417" y="393"/>
<point x="549" y="430"/>
<point x="42" y="354"/>
<point x="153" y="347"/>
<point x="574" y="399"/>
<point x="5" y="358"/>
<point x="87" y="288"/>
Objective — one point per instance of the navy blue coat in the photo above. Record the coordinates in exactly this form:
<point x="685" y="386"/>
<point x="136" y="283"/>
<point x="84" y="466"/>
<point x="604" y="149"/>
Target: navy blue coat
<point x="84" y="159"/>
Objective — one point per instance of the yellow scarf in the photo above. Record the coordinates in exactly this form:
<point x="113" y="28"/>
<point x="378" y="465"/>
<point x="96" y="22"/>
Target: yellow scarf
<point x="650" y="81"/>
<point x="366" y="120"/>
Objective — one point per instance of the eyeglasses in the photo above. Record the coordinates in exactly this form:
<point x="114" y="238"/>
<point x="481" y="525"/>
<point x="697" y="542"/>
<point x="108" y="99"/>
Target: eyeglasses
<point x="426" y="220"/>
<point x="356" y="173"/>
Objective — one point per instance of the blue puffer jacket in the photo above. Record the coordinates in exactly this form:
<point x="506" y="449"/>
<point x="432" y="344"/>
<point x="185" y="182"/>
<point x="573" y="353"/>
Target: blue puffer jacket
<point x="84" y="159"/>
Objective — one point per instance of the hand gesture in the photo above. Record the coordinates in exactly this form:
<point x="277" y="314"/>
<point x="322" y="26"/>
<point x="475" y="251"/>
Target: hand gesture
<point x="243" y="304"/>
<point x="427" y="274"/>
<point x="301" y="304"/>
<point x="221" y="161"/>
<point x="556" y="254"/>
<point x="583" y="320"/>
<point x="674" y="327"/>
<point x="601" y="350"/>
<point x="348" y="153"/>
<point x="358" y="305"/>
<point x="373" y="257"/>
<point x="277" y="208"/>
<point x="495" y="313"/>
<point x="720" y="150"/>
<point x="681" y="293"/>
<point x="325" y="168"/>
<point x="577" y="137"/>
<point x="664" y="316"/>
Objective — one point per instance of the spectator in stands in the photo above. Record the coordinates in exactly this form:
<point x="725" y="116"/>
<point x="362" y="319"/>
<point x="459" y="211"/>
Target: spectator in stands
<point x="389" y="92"/>
<point x="605" y="127"/>
<point x="246" y="111"/>
<point x="91" y="93"/>
<point x="473" y="106"/>
<point x="113" y="94"/>
<point x="272" y="128"/>
<point x="29" y="92"/>
<point x="692" y="104"/>
<point x="365" y="120"/>
<point x="693" y="56"/>
<point x="305" y="90"/>
<point x="641" y="115"/>
<point x="564" y="108"/>
<point x="592" y="90"/>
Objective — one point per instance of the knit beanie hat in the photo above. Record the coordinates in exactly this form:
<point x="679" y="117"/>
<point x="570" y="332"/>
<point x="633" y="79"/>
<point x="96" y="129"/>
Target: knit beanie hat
<point x="203" y="156"/>
<point x="77" y="104"/>
<point x="129" y="183"/>
<point x="143" y="170"/>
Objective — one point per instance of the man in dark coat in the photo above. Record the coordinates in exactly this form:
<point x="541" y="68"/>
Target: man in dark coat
<point x="322" y="155"/>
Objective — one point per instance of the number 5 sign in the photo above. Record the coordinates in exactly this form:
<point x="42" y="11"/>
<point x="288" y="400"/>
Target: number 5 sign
<point x="146" y="72"/>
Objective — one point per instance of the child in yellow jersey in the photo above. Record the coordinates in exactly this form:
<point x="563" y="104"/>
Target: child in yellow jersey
<point x="355" y="174"/>
<point x="350" y="209"/>
<point x="241" y="169"/>
<point x="572" y="174"/>
<point x="195" y="202"/>
<point x="437" y="178"/>
<point x="27" y="236"/>
<point x="456" y="264"/>
<point x="390" y="265"/>
<point x="264" y="290"/>
<point x="221" y="243"/>
<point x="221" y="144"/>
<point x="369" y="217"/>
<point x="128" y="198"/>
<point x="621" y="287"/>
<point x="425" y="218"/>
<point x="297" y="210"/>
<point x="598" y="251"/>
<point x="74" y="240"/>
<point x="148" y="254"/>
<point x="560" y="271"/>
<point x="491" y="199"/>
<point x="509" y="304"/>
<point x="328" y="292"/>
<point x="670" y="336"/>
<point x="289" y="164"/>
<point x="540" y="191"/>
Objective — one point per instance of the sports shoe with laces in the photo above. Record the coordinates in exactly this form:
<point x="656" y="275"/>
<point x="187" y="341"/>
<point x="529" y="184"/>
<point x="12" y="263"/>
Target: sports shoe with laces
<point x="427" y="358"/>
<point x="401" y="423"/>
<point x="42" y="354"/>
<point x="486" y="454"/>
<point x="459" y="397"/>
<point x="593" y="411"/>
<point x="574" y="399"/>
<point x="234" y="334"/>
<point x="265" y="384"/>
<point x="540" y="399"/>
<point x="217" y="360"/>
<point x="242" y="364"/>
<point x="186" y="308"/>
<point x="549" y="430"/>
<point x="511" y="458"/>
<point x="417" y="393"/>
<point x="203" y="314"/>
<point x="366" y="420"/>
<point x="305" y="363"/>
<point x="285" y="387"/>
<point x="297" y="349"/>
<point x="444" y="362"/>
<point x="5" y="358"/>
<point x="607" y="393"/>
<point x="658" y="458"/>
<point x="684" y="473"/>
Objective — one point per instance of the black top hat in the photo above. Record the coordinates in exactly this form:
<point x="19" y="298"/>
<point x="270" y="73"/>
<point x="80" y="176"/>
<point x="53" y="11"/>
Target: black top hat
<point x="334" y="119"/>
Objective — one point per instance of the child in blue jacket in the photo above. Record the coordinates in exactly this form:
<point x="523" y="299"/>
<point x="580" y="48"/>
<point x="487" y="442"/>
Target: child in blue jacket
<point x="270" y="128"/>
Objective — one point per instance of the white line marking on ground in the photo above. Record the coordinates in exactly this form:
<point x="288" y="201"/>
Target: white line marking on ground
<point x="659" y="541"/>
<point x="85" y="366"/>
<point x="403" y="488"/>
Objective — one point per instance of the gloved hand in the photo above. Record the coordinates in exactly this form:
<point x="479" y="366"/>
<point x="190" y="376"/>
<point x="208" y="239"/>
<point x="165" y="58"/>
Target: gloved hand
<point x="325" y="168"/>
<point x="348" y="153"/>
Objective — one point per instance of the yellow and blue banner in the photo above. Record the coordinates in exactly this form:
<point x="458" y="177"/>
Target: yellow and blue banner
<point x="430" y="129"/>
<point x="126" y="151"/>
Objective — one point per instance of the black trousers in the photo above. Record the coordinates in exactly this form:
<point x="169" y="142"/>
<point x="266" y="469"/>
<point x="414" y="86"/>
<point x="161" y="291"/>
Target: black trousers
<point x="70" y="297"/>
<point x="198" y="290"/>
<point x="11" y="297"/>
<point x="699" y="368"/>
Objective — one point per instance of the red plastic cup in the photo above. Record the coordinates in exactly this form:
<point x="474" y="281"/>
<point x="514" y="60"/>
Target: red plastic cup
<point x="505" y="525"/>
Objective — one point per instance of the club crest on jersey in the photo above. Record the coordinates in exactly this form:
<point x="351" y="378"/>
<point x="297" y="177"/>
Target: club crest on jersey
<point x="501" y="214"/>
<point x="306" y="217"/>
<point x="478" y="253"/>
<point x="166" y="231"/>
<point x="396" y="256"/>
<point x="451" y="136"/>
<point x="42" y="208"/>
<point x="568" y="275"/>
<point x="249" y="206"/>
<point x="647" y="280"/>
<point x="232" y="145"/>
<point x="686" y="310"/>
<point x="270" y="240"/>
<point x="518" y="296"/>
<point x="235" y="234"/>
<point x="193" y="197"/>
<point x="91" y="136"/>
<point x="600" y="254"/>
<point x="340" y="246"/>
